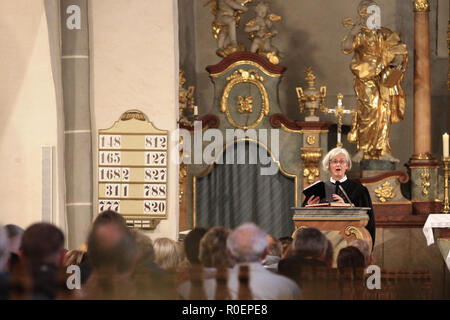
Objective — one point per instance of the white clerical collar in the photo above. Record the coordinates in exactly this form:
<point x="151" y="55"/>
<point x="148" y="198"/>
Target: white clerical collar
<point x="342" y="180"/>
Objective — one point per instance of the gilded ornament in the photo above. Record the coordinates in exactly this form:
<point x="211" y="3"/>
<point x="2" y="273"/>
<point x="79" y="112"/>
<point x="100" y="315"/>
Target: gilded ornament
<point x="245" y="62"/>
<point x="378" y="66"/>
<point x="245" y="76"/>
<point x="245" y="104"/>
<point x="422" y="156"/>
<point x="133" y="114"/>
<point x="351" y="230"/>
<point x="311" y="140"/>
<point x="421" y="5"/>
<point x="310" y="174"/>
<point x="311" y="98"/>
<point x="227" y="14"/>
<point x="261" y="32"/>
<point x="384" y="192"/>
<point x="187" y="114"/>
<point x="425" y="177"/>
<point x="311" y="166"/>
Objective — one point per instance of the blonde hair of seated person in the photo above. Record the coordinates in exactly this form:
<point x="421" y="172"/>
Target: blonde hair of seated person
<point x="167" y="254"/>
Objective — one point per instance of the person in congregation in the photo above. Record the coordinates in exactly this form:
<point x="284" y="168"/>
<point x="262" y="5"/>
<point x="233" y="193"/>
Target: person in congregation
<point x="15" y="240"/>
<point x="364" y="248"/>
<point x="212" y="256"/>
<point x="337" y="162"/>
<point x="286" y="243"/>
<point x="274" y="253"/>
<point x="350" y="257"/>
<point x="168" y="255"/>
<point x="42" y="253"/>
<point x="150" y="280"/>
<point x="213" y="250"/>
<point x="247" y="245"/>
<point x="112" y="253"/>
<point x="191" y="246"/>
<point x="310" y="251"/>
<point x="104" y="218"/>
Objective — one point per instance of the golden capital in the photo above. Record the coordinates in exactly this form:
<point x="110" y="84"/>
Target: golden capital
<point x="421" y="5"/>
<point x="310" y="77"/>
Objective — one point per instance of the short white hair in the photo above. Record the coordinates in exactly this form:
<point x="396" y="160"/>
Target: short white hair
<point x="4" y="247"/>
<point x="247" y="243"/>
<point x="333" y="153"/>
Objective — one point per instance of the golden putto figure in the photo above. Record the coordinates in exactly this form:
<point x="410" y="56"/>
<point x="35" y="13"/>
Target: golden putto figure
<point x="261" y="32"/>
<point x="227" y="16"/>
<point x="378" y="65"/>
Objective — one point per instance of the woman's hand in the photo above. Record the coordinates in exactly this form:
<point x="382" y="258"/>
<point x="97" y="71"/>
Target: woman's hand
<point x="313" y="199"/>
<point x="337" y="198"/>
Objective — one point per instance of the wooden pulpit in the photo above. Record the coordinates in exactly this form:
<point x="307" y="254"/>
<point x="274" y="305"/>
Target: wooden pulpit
<point x="349" y="221"/>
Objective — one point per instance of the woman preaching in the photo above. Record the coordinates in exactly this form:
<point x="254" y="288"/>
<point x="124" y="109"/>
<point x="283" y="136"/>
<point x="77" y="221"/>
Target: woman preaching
<point x="343" y="190"/>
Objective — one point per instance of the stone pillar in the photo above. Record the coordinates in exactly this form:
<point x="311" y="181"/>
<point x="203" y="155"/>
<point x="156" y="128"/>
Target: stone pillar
<point x="422" y="86"/>
<point x="77" y="119"/>
<point x="423" y="168"/>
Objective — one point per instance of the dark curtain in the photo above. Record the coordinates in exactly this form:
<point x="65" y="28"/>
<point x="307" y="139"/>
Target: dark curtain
<point x="232" y="194"/>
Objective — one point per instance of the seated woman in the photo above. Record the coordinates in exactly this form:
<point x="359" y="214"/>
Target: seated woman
<point x="337" y="162"/>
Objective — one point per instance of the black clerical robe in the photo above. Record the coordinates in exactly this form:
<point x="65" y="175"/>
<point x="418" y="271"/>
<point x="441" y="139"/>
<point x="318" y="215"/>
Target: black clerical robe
<point x="360" y="197"/>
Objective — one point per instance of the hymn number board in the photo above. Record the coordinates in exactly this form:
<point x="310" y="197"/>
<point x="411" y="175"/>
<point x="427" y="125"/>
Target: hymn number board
<point x="132" y="168"/>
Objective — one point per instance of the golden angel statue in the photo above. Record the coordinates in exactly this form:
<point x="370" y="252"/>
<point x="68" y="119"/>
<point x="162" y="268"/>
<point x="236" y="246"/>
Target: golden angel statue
<point x="378" y="65"/>
<point x="227" y="16"/>
<point x="261" y="32"/>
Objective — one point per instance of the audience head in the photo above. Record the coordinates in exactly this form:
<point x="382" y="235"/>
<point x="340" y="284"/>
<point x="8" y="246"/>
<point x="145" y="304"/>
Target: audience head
<point x="107" y="217"/>
<point x="15" y="237"/>
<point x="286" y="243"/>
<point x="311" y="243"/>
<point x="350" y="257"/>
<point x="192" y="244"/>
<point x="247" y="243"/>
<point x="4" y="250"/>
<point x="146" y="252"/>
<point x="213" y="248"/>
<point x="43" y="243"/>
<point x="274" y="247"/>
<point x="167" y="254"/>
<point x="363" y="246"/>
<point x="111" y="246"/>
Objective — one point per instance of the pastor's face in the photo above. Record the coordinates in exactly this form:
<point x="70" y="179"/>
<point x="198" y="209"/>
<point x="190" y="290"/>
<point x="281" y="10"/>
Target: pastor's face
<point x="338" y="167"/>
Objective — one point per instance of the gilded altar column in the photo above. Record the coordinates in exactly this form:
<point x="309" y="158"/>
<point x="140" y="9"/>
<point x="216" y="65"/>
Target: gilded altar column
<point x="422" y="92"/>
<point x="423" y="167"/>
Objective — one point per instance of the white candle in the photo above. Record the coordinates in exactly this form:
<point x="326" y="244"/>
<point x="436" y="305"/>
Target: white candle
<point x="195" y="110"/>
<point x="445" y="144"/>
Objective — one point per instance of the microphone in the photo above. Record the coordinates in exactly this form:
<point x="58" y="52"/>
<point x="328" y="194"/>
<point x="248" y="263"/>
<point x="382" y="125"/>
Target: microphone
<point x="345" y="194"/>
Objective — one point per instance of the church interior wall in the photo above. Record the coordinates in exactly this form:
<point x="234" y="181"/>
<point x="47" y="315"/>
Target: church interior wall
<point x="30" y="113"/>
<point x="134" y="65"/>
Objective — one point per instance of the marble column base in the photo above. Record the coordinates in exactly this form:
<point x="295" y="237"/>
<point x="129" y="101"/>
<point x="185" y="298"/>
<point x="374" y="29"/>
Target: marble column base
<point x="424" y="185"/>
